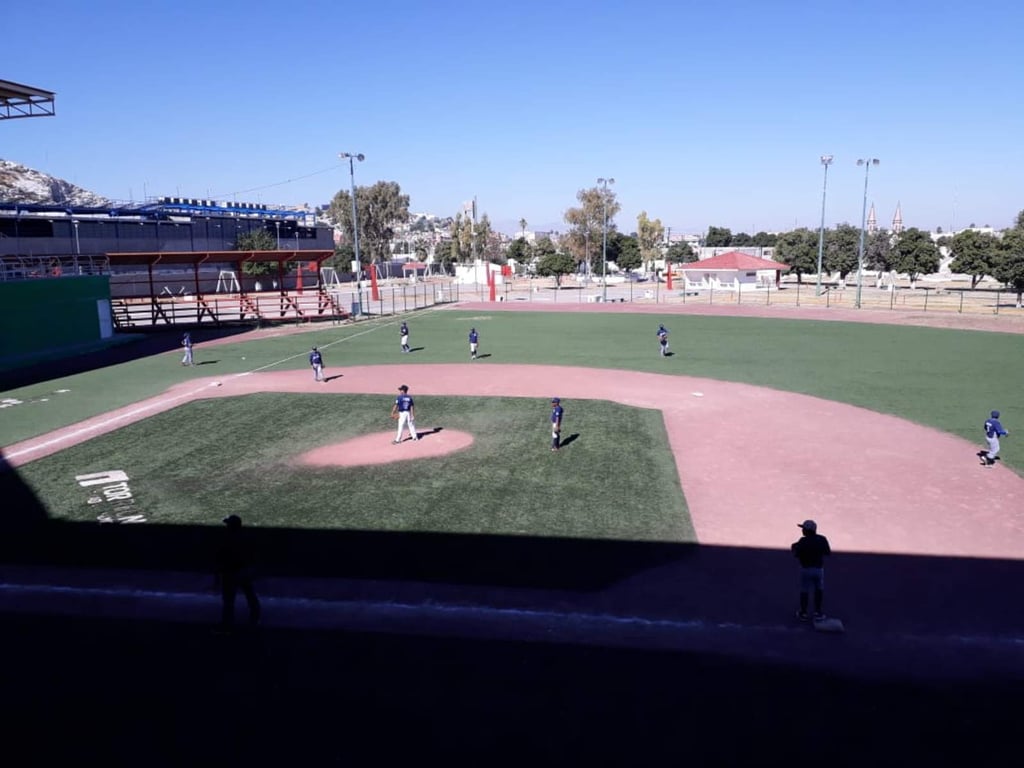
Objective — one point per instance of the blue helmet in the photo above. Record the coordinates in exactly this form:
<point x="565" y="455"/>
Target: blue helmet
<point x="995" y="414"/>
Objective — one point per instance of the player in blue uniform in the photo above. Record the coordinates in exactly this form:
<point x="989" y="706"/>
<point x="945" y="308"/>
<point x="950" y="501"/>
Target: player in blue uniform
<point x="404" y="410"/>
<point x="316" y="361"/>
<point x="404" y="333"/>
<point x="663" y="339"/>
<point x="186" y="342"/>
<point x="474" y="340"/>
<point x="993" y="431"/>
<point x="811" y="550"/>
<point x="556" y="423"/>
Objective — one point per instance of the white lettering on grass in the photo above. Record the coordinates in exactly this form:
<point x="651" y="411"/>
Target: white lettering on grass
<point x="115" y="495"/>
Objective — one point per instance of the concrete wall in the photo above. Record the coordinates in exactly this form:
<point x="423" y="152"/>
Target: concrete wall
<point x="40" y="318"/>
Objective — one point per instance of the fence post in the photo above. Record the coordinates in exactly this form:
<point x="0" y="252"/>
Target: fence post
<point x="892" y="298"/>
<point x="768" y="295"/>
<point x="961" y="309"/>
<point x="798" y="292"/>
<point x="926" y="299"/>
<point x="828" y="297"/>
<point x="997" y="302"/>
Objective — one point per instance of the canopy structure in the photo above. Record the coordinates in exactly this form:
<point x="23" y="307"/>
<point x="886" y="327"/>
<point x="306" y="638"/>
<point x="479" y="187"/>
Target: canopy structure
<point x="196" y="258"/>
<point x="18" y="100"/>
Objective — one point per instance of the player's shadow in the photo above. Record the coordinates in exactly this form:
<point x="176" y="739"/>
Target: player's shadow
<point x="208" y="362"/>
<point x="668" y="354"/>
<point x="332" y="378"/>
<point x="570" y="439"/>
<point x="416" y="349"/>
<point x="422" y="434"/>
<point x="481" y="357"/>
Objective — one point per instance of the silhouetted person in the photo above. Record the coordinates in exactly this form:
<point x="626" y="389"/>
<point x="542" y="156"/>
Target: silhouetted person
<point x="235" y="572"/>
<point x="811" y="551"/>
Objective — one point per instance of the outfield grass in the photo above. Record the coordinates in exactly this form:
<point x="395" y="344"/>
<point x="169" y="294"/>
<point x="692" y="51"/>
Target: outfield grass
<point x="208" y="459"/>
<point x="947" y="379"/>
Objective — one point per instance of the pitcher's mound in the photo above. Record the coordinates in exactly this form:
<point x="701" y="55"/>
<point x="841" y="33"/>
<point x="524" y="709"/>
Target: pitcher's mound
<point x="378" y="449"/>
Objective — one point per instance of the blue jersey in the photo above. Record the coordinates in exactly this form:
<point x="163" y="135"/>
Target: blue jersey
<point x="404" y="330"/>
<point x="315" y="358"/>
<point x="404" y="403"/>
<point x="662" y="333"/>
<point x="556" y="415"/>
<point x="473" y="337"/>
<point x="186" y="341"/>
<point x="994" y="429"/>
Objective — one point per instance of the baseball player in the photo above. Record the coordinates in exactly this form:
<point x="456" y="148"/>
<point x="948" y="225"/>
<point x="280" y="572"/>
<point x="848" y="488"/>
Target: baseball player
<point x="316" y="361"/>
<point x="993" y="431"/>
<point x="404" y="332"/>
<point x="404" y="410"/>
<point x="556" y="423"/>
<point x="474" y="340"/>
<point x="186" y="342"/>
<point x="811" y="550"/>
<point x="663" y="339"/>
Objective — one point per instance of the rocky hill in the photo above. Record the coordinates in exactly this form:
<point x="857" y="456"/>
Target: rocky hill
<point x="20" y="184"/>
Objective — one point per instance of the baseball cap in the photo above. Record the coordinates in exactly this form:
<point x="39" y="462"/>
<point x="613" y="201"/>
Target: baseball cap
<point x="995" y="414"/>
<point x="232" y="521"/>
<point x="556" y="400"/>
<point x="808" y="525"/>
<point x="403" y="388"/>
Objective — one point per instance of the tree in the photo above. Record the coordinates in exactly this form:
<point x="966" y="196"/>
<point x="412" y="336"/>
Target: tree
<point x="556" y="264"/>
<point x="624" y="251"/>
<point x="650" y="236"/>
<point x="522" y="227"/>
<point x="742" y="240"/>
<point x="680" y="253"/>
<point x="841" y="249"/>
<point x="1009" y="265"/>
<point x="520" y="251"/>
<point x="974" y="253"/>
<point x="485" y="241"/>
<point x="379" y="208"/>
<point x="765" y="240"/>
<point x="915" y="253"/>
<point x="878" y="251"/>
<point x="718" y="237"/>
<point x="1018" y="223"/>
<point x="585" y="222"/>
<point x="799" y="250"/>
<point x="259" y="240"/>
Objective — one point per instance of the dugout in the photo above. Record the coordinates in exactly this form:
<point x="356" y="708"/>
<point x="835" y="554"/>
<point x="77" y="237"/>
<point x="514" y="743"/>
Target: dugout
<point x="190" y="287"/>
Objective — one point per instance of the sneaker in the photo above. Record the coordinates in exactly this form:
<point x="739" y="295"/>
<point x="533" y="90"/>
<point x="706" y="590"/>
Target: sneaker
<point x="395" y="442"/>
<point x="802" y="615"/>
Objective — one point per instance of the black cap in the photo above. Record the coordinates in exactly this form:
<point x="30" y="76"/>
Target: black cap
<point x="233" y="521"/>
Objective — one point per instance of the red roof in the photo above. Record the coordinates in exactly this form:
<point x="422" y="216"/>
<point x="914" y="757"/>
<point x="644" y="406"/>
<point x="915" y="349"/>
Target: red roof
<point x="734" y="260"/>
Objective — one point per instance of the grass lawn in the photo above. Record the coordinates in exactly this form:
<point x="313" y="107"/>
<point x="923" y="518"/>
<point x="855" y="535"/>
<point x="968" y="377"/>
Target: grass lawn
<point x="947" y="379"/>
<point x="208" y="459"/>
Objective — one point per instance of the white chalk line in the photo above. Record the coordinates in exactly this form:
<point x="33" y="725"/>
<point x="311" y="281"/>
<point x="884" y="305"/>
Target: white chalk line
<point x="101" y="425"/>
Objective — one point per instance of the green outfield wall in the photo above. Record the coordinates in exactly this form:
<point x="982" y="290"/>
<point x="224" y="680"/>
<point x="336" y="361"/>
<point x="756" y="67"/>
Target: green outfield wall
<point x="42" y="319"/>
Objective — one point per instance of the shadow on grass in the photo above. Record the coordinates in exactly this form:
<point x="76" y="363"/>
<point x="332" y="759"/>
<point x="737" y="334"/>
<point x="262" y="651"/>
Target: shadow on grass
<point x="888" y="593"/>
<point x="144" y="343"/>
<point x="570" y="439"/>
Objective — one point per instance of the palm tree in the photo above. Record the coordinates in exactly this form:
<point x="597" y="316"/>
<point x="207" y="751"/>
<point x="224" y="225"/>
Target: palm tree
<point x="522" y="226"/>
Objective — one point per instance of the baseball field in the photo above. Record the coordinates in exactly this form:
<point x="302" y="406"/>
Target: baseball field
<point x="637" y="583"/>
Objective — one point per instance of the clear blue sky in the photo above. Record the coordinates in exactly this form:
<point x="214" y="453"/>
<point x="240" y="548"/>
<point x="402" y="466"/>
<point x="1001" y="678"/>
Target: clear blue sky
<point x="705" y="113"/>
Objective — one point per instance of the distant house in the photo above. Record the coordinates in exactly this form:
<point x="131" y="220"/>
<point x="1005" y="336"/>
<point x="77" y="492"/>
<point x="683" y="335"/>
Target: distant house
<point x="732" y="271"/>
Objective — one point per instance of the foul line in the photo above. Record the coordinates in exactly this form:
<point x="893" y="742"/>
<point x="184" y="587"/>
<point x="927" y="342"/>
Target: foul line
<point x="107" y="422"/>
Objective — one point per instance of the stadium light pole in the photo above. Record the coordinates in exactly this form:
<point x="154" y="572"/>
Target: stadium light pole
<point x="867" y="163"/>
<point x="278" y="225"/>
<point x="826" y="160"/>
<point x="604" y="238"/>
<point x="352" y="157"/>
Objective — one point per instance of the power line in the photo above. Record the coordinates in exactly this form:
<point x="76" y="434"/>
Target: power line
<point x="276" y="183"/>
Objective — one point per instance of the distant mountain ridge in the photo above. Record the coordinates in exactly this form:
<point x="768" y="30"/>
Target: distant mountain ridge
<point x="21" y="184"/>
